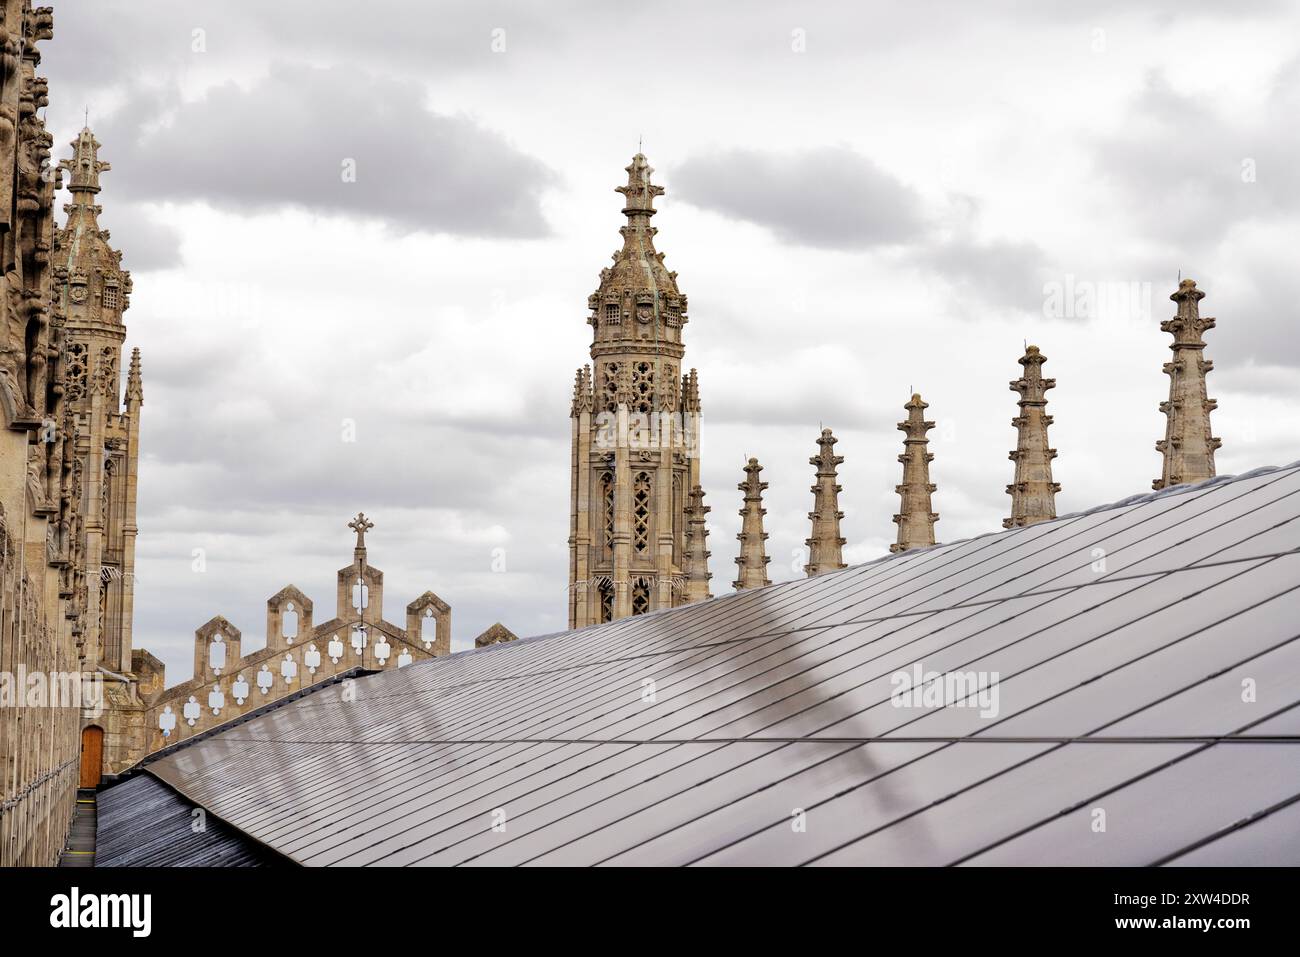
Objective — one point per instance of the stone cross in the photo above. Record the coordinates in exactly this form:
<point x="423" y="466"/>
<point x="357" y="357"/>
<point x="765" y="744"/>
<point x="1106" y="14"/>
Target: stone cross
<point x="361" y="525"/>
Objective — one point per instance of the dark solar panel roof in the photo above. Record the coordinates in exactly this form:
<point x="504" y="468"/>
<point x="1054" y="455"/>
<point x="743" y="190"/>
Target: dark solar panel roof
<point x="1147" y="711"/>
<point x="144" y="822"/>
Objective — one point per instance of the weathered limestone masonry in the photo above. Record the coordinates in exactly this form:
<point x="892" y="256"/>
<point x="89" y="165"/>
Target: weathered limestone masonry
<point x="697" y="548"/>
<point x="753" y="557"/>
<point x="915" y="518"/>
<point x="1033" y="493"/>
<point x="43" y="602"/>
<point x="635" y="431"/>
<point x="298" y="654"/>
<point x="496" y="634"/>
<point x="825" y="548"/>
<point x="93" y="289"/>
<point x="1188" y="446"/>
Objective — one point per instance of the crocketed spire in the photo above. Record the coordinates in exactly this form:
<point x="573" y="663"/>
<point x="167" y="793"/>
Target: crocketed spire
<point x="134" y="384"/>
<point x="93" y="288"/>
<point x="1188" y="446"/>
<point x="753" y="556"/>
<point x="915" y="520"/>
<point x="825" y="548"/>
<point x="696" y="566"/>
<point x="1033" y="493"/>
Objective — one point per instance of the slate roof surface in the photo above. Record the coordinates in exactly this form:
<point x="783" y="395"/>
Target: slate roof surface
<point x="1147" y="711"/>
<point x="144" y="822"/>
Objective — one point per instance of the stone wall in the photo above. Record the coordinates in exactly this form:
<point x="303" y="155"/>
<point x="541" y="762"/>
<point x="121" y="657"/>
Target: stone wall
<point x="42" y="581"/>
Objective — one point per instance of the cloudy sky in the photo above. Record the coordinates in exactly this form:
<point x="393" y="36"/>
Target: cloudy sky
<point x="862" y="200"/>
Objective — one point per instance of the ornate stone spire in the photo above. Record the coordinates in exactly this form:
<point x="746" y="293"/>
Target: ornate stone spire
<point x="1033" y="493"/>
<point x="695" y="567"/>
<point x="85" y="166"/>
<point x="134" y="385"/>
<point x="1188" y="446"/>
<point x="916" y="520"/>
<point x="638" y="296"/>
<point x="91" y="288"/>
<point x="636" y="456"/>
<point x="825" y="547"/>
<point x="753" y="556"/>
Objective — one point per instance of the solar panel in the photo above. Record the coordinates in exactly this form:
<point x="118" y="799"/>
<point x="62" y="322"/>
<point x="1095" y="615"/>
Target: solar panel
<point x="1147" y="666"/>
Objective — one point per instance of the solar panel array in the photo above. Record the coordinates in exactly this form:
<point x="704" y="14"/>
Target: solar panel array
<point x="1141" y="705"/>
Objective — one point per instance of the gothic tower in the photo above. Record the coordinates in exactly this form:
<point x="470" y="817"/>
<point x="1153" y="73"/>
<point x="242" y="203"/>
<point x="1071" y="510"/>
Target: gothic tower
<point x="635" y="432"/>
<point x="1188" y="446"/>
<point x="1033" y="493"/>
<point x="915" y="518"/>
<point x="93" y="290"/>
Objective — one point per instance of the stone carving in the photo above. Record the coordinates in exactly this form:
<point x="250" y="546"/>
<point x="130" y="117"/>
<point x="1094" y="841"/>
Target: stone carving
<point x="1032" y="491"/>
<point x="915" y="518"/>
<point x="825" y="547"/>
<point x="753" y="557"/>
<point x="1189" y="445"/>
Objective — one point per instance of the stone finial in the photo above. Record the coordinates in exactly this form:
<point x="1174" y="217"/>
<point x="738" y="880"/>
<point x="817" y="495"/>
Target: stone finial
<point x="134" y="384"/>
<point x="1033" y="493"/>
<point x="695" y="567"/>
<point x="753" y="556"/>
<point x="361" y="525"/>
<point x="639" y="193"/>
<point x="691" y="392"/>
<point x="1188" y="446"/>
<point x="85" y="166"/>
<point x="496" y="634"/>
<point x="825" y="548"/>
<point x="584" y="399"/>
<point x="915" y="520"/>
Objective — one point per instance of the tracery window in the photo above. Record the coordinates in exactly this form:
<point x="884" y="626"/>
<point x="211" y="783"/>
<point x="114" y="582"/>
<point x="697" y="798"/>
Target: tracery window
<point x="108" y="361"/>
<point x="609" y="385"/>
<point x="643" y="386"/>
<point x="607" y="514"/>
<point x="641" y="512"/>
<point x="76" y="371"/>
<point x="606" y="600"/>
<point x="641" y="597"/>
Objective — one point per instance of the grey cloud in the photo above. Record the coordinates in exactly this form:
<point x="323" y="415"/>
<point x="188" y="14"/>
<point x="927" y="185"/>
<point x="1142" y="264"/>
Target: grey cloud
<point x="148" y="241"/>
<point x="1000" y="272"/>
<point x="836" y="198"/>
<point x="1256" y="321"/>
<point x="1178" y="163"/>
<point x="832" y="198"/>
<point x="292" y="139"/>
